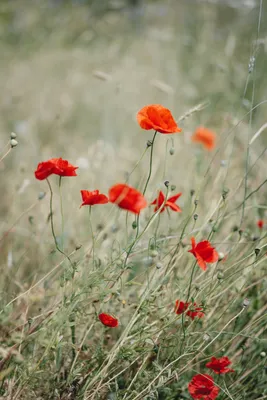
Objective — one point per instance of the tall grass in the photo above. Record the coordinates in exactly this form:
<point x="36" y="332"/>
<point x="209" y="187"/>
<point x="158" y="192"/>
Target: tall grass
<point x="71" y="87"/>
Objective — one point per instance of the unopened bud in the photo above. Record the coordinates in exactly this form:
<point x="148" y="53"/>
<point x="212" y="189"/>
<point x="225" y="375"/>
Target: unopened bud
<point x="172" y="151"/>
<point x="196" y="202"/>
<point x="246" y="302"/>
<point x="206" y="337"/>
<point x="154" y="253"/>
<point x="159" y="265"/>
<point x="149" y="143"/>
<point x="195" y="217"/>
<point x="13" y="135"/>
<point x="13" y="143"/>
<point x="166" y="183"/>
<point x="134" y="225"/>
<point x="173" y="187"/>
<point x="257" y="251"/>
<point x="263" y="354"/>
<point x="221" y="255"/>
<point x="220" y="275"/>
<point x="192" y="192"/>
<point x="41" y="195"/>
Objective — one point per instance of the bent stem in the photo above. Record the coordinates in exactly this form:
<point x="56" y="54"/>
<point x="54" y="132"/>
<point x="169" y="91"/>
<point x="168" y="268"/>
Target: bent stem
<point x="72" y="317"/>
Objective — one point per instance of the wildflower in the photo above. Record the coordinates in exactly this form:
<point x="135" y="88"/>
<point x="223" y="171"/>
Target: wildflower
<point x="127" y="197"/>
<point x="108" y="320"/>
<point x="202" y="387"/>
<point x="204" y="253"/>
<point x="205" y="137"/>
<point x="92" y="198"/>
<point x="55" y="166"/>
<point x="219" y="365"/>
<point x="180" y="307"/>
<point x="195" y="311"/>
<point x="169" y="203"/>
<point x="260" y="223"/>
<point x="157" y="117"/>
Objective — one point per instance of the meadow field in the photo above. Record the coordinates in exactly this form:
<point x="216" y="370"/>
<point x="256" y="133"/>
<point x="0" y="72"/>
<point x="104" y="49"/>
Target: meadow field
<point x="120" y="299"/>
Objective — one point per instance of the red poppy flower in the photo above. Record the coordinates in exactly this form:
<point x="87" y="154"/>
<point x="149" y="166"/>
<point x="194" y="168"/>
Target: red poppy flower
<point x="180" y="307"/>
<point x="157" y="117"/>
<point x="260" y="223"/>
<point x="219" y="365"/>
<point x="195" y="311"/>
<point x="204" y="253"/>
<point x="55" y="166"/>
<point x="92" y="198"/>
<point x="202" y="387"/>
<point x="169" y="203"/>
<point x="108" y="320"/>
<point x="205" y="137"/>
<point x="127" y="197"/>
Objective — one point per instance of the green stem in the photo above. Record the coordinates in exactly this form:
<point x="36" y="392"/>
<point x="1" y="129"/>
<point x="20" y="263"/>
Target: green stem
<point x="92" y="233"/>
<point x="150" y="163"/>
<point x="148" y="179"/>
<point x="52" y="225"/>
<point x="61" y="212"/>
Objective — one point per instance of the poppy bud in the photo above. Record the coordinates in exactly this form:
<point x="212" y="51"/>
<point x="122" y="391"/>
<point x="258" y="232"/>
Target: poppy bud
<point x="221" y="255"/>
<point x="246" y="302"/>
<point x="206" y="337"/>
<point x="41" y="195"/>
<point x="192" y="192"/>
<point x="196" y="202"/>
<point x="195" y="217"/>
<point x="166" y="183"/>
<point x="154" y="253"/>
<point x="257" y="251"/>
<point x="13" y="143"/>
<point x="149" y="143"/>
<point x="134" y="225"/>
<point x="173" y="187"/>
<point x="159" y="265"/>
<point x="172" y="151"/>
<point x="13" y="135"/>
<point x="263" y="354"/>
<point x="220" y="275"/>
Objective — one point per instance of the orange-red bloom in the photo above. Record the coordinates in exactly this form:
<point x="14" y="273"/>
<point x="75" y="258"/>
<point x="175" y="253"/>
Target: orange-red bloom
<point x="260" y="223"/>
<point x="192" y="311"/>
<point x="127" y="197"/>
<point x="204" y="253"/>
<point x="169" y="203"/>
<point x="202" y="387"/>
<point x="92" y="198"/>
<point x="157" y="117"/>
<point x="219" y="365"/>
<point x="55" y="166"/>
<point x="180" y="307"/>
<point x="204" y="136"/>
<point x="108" y="320"/>
<point x="195" y="311"/>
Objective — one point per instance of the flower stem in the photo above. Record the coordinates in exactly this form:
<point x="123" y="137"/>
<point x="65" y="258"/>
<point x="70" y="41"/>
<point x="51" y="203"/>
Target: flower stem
<point x="61" y="211"/>
<point x="52" y="225"/>
<point x="92" y="233"/>
<point x="148" y="178"/>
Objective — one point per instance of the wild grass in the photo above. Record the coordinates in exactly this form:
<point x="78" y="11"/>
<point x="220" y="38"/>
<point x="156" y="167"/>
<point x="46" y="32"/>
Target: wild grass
<point x="71" y="86"/>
